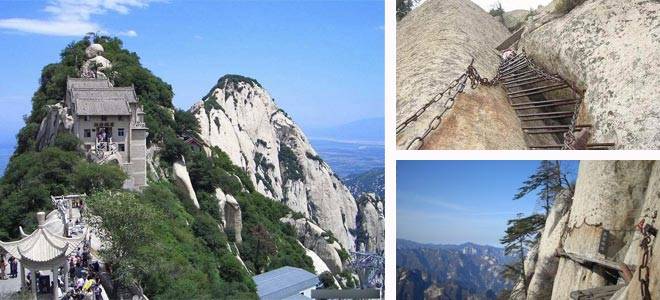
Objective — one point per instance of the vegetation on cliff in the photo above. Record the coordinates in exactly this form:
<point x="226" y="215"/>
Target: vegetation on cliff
<point x="158" y="240"/>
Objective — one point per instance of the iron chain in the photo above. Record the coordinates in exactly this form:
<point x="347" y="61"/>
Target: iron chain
<point x="459" y="85"/>
<point x="649" y="232"/>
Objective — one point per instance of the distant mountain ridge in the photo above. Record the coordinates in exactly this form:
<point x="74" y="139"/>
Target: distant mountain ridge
<point x="372" y="181"/>
<point x="437" y="271"/>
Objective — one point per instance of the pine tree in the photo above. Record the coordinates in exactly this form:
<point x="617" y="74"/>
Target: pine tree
<point x="522" y="233"/>
<point x="549" y="180"/>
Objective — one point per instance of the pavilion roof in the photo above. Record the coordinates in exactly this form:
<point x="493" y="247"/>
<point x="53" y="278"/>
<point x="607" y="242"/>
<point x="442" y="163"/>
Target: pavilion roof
<point x="42" y="245"/>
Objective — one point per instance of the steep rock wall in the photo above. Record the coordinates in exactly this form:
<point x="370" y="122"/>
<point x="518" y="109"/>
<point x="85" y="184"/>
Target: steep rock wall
<point x="241" y="118"/>
<point x="608" y="48"/>
<point x="371" y="224"/>
<point x="57" y="120"/>
<point x="435" y="44"/>
<point x="609" y="195"/>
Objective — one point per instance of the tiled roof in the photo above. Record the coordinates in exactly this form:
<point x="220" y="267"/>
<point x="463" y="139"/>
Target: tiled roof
<point x="284" y="282"/>
<point x="99" y="107"/>
<point x="42" y="246"/>
<point x="126" y="93"/>
<point x="77" y="83"/>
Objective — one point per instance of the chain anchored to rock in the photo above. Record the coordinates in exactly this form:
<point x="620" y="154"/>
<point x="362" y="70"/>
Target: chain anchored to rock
<point x="457" y="86"/>
<point x="649" y="232"/>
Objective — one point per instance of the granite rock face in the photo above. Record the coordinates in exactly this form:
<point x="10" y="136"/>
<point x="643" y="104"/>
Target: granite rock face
<point x="240" y="117"/>
<point x="435" y="44"/>
<point x="609" y="49"/>
<point x="515" y="18"/>
<point x="371" y="224"/>
<point x="541" y="278"/>
<point x="182" y="180"/>
<point x="57" y="120"/>
<point x="316" y="239"/>
<point x="612" y="196"/>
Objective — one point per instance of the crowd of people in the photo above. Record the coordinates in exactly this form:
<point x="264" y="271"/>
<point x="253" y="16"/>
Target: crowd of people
<point x="84" y="277"/>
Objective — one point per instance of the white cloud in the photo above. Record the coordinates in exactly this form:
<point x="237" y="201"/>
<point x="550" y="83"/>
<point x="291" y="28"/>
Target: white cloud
<point x="59" y="28"/>
<point x="73" y="17"/>
<point x="130" y="33"/>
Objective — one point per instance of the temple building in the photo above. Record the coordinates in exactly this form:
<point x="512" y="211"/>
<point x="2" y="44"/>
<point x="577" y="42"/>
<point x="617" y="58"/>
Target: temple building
<point x="108" y="120"/>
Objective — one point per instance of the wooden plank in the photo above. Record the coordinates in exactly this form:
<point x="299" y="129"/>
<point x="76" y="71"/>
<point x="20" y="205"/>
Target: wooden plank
<point x="511" y="40"/>
<point x="597" y="293"/>
<point x="623" y="269"/>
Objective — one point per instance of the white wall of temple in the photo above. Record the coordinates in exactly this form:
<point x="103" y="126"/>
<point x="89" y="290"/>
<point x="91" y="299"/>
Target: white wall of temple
<point x="86" y="129"/>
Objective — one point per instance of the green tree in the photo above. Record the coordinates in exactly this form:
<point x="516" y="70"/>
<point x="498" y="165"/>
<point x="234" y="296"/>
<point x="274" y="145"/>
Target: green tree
<point x="548" y="180"/>
<point x="521" y="234"/>
<point x="186" y="123"/>
<point x="125" y="225"/>
<point x="263" y="246"/>
<point x="497" y="9"/>
<point x="90" y="177"/>
<point x="67" y="141"/>
<point x="403" y="7"/>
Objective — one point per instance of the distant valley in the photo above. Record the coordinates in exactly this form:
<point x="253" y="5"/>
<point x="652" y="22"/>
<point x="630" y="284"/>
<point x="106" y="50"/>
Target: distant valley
<point x="372" y="181"/>
<point x="466" y="271"/>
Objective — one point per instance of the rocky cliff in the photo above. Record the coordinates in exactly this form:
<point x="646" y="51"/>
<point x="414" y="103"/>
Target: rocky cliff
<point x="240" y="117"/>
<point x="435" y="44"/>
<point x="609" y="49"/>
<point x="612" y="196"/>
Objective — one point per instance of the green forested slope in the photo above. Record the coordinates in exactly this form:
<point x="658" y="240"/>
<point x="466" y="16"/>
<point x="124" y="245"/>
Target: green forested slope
<point x="159" y="240"/>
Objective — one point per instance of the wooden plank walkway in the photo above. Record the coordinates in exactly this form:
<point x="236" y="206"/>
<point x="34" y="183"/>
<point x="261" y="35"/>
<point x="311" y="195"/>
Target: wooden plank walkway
<point x="597" y="293"/>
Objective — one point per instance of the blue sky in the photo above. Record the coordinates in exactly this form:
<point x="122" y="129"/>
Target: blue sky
<point x="452" y="202"/>
<point x="322" y="61"/>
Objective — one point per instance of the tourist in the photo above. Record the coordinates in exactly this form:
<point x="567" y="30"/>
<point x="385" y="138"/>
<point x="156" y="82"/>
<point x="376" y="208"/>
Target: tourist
<point x="3" y="265"/>
<point x="97" y="291"/>
<point x="89" y="283"/>
<point x="79" y="283"/>
<point x="13" y="267"/>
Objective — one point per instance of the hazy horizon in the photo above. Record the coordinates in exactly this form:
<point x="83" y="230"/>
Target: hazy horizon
<point x="454" y="202"/>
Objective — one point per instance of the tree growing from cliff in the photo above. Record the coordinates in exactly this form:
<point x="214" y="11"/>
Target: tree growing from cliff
<point x="548" y="180"/>
<point x="522" y="233"/>
<point x="403" y="7"/>
<point x="497" y="9"/>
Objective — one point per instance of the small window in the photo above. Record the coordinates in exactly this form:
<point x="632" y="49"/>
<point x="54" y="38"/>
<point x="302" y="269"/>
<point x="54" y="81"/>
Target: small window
<point x="104" y="118"/>
<point x="88" y="133"/>
<point x="121" y="148"/>
<point x="119" y="118"/>
<point x="120" y="131"/>
<point x="85" y="118"/>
